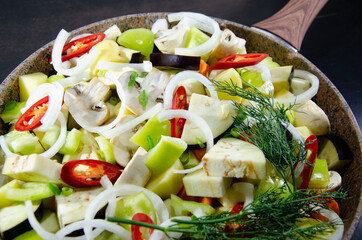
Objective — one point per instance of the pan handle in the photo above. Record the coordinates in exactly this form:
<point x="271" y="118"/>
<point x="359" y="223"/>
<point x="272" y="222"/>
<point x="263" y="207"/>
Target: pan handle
<point x="293" y="20"/>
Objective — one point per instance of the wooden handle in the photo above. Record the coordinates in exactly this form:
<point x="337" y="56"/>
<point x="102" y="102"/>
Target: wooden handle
<point x="293" y="20"/>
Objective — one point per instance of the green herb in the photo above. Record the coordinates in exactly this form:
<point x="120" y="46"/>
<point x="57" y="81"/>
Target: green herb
<point x="133" y="79"/>
<point x="66" y="191"/>
<point x="143" y="99"/>
<point x="10" y="105"/>
<point x="54" y="188"/>
<point x="201" y="144"/>
<point x="269" y="216"/>
<point x="187" y="160"/>
<point x="150" y="142"/>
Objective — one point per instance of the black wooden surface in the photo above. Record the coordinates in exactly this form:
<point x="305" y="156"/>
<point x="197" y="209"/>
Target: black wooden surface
<point x="333" y="41"/>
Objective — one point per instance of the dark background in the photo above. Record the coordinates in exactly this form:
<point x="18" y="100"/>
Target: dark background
<point x="333" y="42"/>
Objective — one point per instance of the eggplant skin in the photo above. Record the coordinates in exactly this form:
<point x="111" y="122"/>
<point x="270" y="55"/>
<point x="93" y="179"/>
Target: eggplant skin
<point x="21" y="227"/>
<point x="175" y="61"/>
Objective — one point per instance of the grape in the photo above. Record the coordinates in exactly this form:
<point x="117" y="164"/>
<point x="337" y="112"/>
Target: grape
<point x="139" y="39"/>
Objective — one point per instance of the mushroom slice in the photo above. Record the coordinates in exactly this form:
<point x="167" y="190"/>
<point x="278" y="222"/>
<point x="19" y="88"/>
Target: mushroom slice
<point x="335" y="181"/>
<point x="153" y="84"/>
<point x="228" y="45"/>
<point x="123" y="148"/>
<point x="86" y="101"/>
<point x="169" y="39"/>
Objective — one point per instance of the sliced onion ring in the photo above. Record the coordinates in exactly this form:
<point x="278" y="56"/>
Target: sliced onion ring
<point x="307" y="95"/>
<point x="100" y="129"/>
<point x="55" y="92"/>
<point x="170" y="88"/>
<point x="57" y="56"/>
<point x="60" y="141"/>
<point x="200" y="122"/>
<point x="123" y="190"/>
<point x="48" y="153"/>
<point x="146" y="66"/>
<point x="202" y="22"/>
<point x="101" y="224"/>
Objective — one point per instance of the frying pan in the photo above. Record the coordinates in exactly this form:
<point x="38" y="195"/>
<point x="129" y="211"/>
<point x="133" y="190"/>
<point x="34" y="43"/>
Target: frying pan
<point x="292" y="29"/>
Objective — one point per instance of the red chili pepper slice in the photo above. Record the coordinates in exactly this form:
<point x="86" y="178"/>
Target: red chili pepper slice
<point x="81" y="46"/>
<point x="140" y="217"/>
<point x="179" y="101"/>
<point x="31" y="118"/>
<point x="311" y="144"/>
<point x="88" y="172"/>
<point x="237" y="208"/>
<point x="239" y="60"/>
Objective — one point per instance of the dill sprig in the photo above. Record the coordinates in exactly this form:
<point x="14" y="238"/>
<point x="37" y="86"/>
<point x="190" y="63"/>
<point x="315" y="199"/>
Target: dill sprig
<point x="269" y="216"/>
<point x="266" y="127"/>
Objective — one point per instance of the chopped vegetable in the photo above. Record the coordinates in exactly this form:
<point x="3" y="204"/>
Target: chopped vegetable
<point x="31" y="118"/>
<point x="239" y="61"/>
<point x="179" y="101"/>
<point x="81" y="46"/>
<point x="86" y="173"/>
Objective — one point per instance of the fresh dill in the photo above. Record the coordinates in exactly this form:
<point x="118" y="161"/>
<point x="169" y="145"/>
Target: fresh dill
<point x="269" y="216"/>
<point x="272" y="214"/>
<point x="265" y="127"/>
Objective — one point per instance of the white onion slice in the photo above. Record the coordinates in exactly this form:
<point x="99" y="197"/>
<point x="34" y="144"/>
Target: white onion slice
<point x="5" y="147"/>
<point x="160" y="24"/>
<point x="198" y="121"/>
<point x="99" y="223"/>
<point x="124" y="190"/>
<point x="133" y="123"/>
<point x="202" y="22"/>
<point x="146" y="66"/>
<point x="60" y="141"/>
<point x="105" y="182"/>
<point x="35" y="224"/>
<point x="54" y="106"/>
<point x="174" y="82"/>
<point x="100" y="129"/>
<point x="55" y="92"/>
<point x="198" y="212"/>
<point x="71" y="81"/>
<point x="307" y="95"/>
<point x="57" y="56"/>
<point x="158" y="235"/>
<point x="48" y="153"/>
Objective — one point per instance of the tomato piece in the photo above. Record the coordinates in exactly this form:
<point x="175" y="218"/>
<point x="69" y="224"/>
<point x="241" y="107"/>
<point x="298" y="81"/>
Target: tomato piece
<point x="311" y="144"/>
<point x="31" y="118"/>
<point x="140" y="217"/>
<point x="179" y="101"/>
<point x="239" y="60"/>
<point x="81" y="46"/>
<point x="88" y="172"/>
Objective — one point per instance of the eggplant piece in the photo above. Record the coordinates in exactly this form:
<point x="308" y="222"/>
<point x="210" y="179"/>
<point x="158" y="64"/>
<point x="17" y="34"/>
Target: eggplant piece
<point x="14" y="220"/>
<point x="175" y="61"/>
<point x="137" y="58"/>
<point x="334" y="149"/>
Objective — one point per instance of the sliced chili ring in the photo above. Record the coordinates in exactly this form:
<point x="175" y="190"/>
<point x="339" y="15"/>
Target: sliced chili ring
<point x="140" y="217"/>
<point x="88" y="172"/>
<point x="80" y="46"/>
<point x="311" y="144"/>
<point x="31" y="117"/>
<point x="239" y="60"/>
<point x="179" y="101"/>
